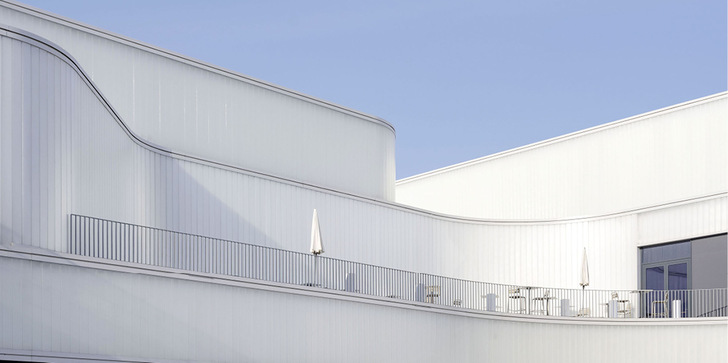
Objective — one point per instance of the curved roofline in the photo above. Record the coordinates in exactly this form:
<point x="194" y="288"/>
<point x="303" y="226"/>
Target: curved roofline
<point x="561" y="138"/>
<point x="58" y="19"/>
<point x="45" y="44"/>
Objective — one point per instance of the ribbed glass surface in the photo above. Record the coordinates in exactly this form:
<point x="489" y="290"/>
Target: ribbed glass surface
<point x="668" y="252"/>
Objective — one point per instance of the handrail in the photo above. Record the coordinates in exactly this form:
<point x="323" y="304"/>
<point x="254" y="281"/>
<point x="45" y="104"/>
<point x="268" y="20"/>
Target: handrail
<point x="714" y="312"/>
<point x="107" y="239"/>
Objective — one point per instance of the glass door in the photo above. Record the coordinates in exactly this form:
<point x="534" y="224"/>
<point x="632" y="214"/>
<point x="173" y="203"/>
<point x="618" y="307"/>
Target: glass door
<point x="666" y="268"/>
<point x="677" y="279"/>
<point x="654" y="279"/>
<point x="673" y="276"/>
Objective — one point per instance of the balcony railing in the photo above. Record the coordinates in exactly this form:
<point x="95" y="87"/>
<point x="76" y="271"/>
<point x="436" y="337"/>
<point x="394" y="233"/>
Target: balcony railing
<point x="126" y="242"/>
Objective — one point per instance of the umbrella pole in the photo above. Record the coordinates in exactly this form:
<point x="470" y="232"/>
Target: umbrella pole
<point x="315" y="270"/>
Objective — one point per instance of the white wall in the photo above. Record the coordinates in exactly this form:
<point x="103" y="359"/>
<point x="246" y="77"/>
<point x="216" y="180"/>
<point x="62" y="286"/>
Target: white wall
<point x="668" y="155"/>
<point x="200" y="110"/>
<point x="77" y="309"/>
<point x="63" y="152"/>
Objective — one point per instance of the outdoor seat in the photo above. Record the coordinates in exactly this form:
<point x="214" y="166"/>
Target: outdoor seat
<point x="623" y="306"/>
<point x="664" y="303"/>
<point x="515" y="297"/>
<point x="541" y="303"/>
<point x="431" y="293"/>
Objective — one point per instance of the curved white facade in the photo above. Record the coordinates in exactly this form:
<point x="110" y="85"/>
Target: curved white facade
<point x="189" y="107"/>
<point x="65" y="148"/>
<point x="82" y="161"/>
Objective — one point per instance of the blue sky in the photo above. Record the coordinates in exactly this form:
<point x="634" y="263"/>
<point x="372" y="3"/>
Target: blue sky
<point x="457" y="79"/>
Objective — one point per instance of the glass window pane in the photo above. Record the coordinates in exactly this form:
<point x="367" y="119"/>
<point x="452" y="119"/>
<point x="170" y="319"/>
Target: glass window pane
<point x="673" y="251"/>
<point x="677" y="251"/>
<point x="647" y="255"/>
<point x="654" y="278"/>
<point x="677" y="276"/>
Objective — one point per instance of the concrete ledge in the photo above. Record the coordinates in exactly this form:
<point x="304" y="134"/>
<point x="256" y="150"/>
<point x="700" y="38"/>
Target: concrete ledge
<point x="42" y="255"/>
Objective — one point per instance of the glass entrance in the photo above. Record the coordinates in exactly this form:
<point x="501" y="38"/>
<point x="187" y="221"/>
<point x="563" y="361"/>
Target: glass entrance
<point x="672" y="276"/>
<point x="666" y="267"/>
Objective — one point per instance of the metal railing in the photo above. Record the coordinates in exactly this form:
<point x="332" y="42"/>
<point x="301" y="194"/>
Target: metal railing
<point x="100" y="238"/>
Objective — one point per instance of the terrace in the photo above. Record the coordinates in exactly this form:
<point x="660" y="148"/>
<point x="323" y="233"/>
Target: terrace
<point x="105" y="239"/>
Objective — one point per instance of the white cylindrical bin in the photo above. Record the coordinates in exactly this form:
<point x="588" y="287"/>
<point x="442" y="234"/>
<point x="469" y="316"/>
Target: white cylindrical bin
<point x="490" y="302"/>
<point x="566" y="307"/>
<point x="613" y="308"/>
<point x="636" y="307"/>
<point x="420" y="292"/>
<point x="677" y="308"/>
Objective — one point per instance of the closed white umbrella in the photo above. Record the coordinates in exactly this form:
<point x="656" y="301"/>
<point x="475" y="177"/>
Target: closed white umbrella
<point x="584" y="272"/>
<point x="584" y="276"/>
<point x="317" y="246"/>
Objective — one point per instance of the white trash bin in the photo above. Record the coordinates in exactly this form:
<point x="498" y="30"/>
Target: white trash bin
<point x="677" y="309"/>
<point x="566" y="307"/>
<point x="490" y="302"/>
<point x="613" y="308"/>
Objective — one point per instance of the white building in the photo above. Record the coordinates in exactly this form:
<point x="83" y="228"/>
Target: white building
<point x="157" y="208"/>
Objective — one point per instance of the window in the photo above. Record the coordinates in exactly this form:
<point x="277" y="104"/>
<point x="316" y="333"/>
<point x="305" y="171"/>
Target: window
<point x="666" y="267"/>
<point x="699" y="263"/>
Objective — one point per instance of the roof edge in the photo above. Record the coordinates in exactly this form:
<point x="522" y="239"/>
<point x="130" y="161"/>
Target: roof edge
<point x="553" y="140"/>
<point x="62" y="20"/>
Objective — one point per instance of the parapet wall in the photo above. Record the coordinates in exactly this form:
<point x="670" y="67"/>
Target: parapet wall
<point x="84" y="310"/>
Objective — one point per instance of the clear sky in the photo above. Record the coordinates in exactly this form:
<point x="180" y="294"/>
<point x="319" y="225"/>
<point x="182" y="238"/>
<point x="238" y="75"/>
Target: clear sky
<point x="457" y="79"/>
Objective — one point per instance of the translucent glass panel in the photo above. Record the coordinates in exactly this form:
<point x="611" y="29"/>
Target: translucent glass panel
<point x="673" y="251"/>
